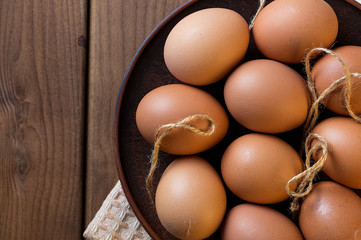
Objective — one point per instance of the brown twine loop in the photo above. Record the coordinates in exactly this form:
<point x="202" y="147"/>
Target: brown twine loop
<point x="306" y="177"/>
<point x="163" y="131"/>
<point x="261" y="5"/>
<point x="314" y="110"/>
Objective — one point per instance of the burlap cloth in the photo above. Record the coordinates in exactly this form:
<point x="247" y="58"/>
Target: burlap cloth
<point x="115" y="220"/>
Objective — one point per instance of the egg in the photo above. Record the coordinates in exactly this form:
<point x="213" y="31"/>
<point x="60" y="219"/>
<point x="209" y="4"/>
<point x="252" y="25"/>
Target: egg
<point x="190" y="199"/>
<point x="328" y="69"/>
<point x="256" y="167"/>
<point x="267" y="96"/>
<point x="170" y="104"/>
<point x="206" y="45"/>
<point x="343" y="136"/>
<point x="331" y="211"/>
<point x="250" y="221"/>
<point x="286" y="30"/>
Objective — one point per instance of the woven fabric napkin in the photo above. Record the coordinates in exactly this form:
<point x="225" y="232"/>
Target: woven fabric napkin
<point x="115" y="220"/>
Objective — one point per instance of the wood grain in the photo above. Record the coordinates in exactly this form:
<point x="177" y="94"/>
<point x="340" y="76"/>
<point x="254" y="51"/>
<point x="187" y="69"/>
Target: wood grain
<point x="117" y="29"/>
<point x="42" y="77"/>
<point x="56" y="118"/>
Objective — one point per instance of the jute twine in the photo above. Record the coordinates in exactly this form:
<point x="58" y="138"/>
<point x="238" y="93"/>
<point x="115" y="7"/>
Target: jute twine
<point x="261" y="5"/>
<point x="314" y="110"/>
<point x="165" y="130"/>
<point x="305" y="178"/>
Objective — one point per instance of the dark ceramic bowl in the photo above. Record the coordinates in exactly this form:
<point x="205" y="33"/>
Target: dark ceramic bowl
<point x="148" y="71"/>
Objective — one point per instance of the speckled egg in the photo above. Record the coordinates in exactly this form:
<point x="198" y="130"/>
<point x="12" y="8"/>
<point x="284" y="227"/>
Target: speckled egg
<point x="331" y="211"/>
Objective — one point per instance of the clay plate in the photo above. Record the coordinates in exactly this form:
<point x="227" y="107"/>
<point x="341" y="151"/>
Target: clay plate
<point x="148" y="71"/>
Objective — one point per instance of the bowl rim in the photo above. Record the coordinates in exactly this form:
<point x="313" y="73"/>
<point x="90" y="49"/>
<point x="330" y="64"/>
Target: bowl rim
<point x="119" y="98"/>
<point x="120" y="95"/>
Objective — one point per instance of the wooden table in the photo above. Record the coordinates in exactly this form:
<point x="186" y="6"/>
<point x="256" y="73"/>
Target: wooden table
<point x="61" y="65"/>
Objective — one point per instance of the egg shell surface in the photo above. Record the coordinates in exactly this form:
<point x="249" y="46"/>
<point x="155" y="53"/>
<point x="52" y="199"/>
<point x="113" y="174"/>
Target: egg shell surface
<point x="286" y="30"/>
<point x="331" y="211"/>
<point x="256" y="167"/>
<point x="328" y="69"/>
<point x="206" y="45"/>
<point x="190" y="198"/>
<point x="267" y="96"/>
<point x="250" y="221"/>
<point x="172" y="103"/>
<point x="343" y="136"/>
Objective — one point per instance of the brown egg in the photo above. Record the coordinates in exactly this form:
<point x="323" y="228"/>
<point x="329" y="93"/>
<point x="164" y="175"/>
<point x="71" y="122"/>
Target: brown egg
<point x="256" y="167"/>
<point x="328" y="69"/>
<point x="206" y="45"/>
<point x="172" y="103"/>
<point x="250" y="222"/>
<point x="286" y="30"/>
<point x="190" y="198"/>
<point x="343" y="136"/>
<point x="267" y="96"/>
<point x="331" y="211"/>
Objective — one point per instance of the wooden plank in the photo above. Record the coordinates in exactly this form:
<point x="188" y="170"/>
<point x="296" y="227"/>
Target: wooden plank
<point x="117" y="29"/>
<point x="42" y="79"/>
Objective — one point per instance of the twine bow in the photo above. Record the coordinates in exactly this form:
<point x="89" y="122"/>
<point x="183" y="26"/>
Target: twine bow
<point x="306" y="177"/>
<point x="166" y="129"/>
<point x="314" y="110"/>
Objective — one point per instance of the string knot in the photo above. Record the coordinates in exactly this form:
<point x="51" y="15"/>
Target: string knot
<point x="166" y="129"/>
<point x="314" y="110"/>
<point x="305" y="178"/>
